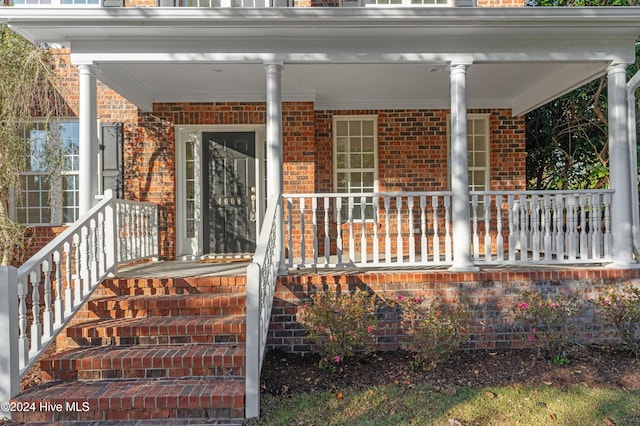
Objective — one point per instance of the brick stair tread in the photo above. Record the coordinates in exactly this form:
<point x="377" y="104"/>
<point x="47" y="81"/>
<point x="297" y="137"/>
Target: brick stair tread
<point x="160" y="326"/>
<point x="129" y="399"/>
<point x="171" y="305"/>
<point x="153" y="356"/>
<point x="174" y="286"/>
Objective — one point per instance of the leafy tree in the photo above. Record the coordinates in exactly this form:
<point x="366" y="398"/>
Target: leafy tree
<point x="567" y="138"/>
<point x="26" y="93"/>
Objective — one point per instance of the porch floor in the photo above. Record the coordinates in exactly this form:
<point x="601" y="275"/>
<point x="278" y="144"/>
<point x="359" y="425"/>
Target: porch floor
<point x="238" y="267"/>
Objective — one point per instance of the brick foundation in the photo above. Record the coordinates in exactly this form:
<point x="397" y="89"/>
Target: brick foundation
<point x="490" y="295"/>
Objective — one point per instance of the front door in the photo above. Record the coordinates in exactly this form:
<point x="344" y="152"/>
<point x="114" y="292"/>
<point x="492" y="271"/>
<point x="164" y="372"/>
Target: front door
<point x="229" y="192"/>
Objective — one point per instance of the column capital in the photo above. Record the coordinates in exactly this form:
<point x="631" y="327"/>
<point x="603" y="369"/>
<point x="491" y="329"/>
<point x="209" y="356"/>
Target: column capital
<point x="88" y="69"/>
<point x="272" y="66"/>
<point x="460" y="66"/>
<point x="617" y="67"/>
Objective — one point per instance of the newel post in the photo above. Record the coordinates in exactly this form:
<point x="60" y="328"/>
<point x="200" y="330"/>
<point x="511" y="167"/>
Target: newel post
<point x="110" y="234"/>
<point x="9" y="365"/>
<point x="253" y="344"/>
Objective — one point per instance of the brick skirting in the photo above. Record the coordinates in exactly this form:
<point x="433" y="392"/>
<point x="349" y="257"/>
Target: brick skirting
<point x="490" y="294"/>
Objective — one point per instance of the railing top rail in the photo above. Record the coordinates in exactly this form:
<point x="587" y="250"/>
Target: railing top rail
<point x="547" y="192"/>
<point x="368" y="194"/>
<point x="54" y="244"/>
<point x="137" y="203"/>
<point x="263" y="238"/>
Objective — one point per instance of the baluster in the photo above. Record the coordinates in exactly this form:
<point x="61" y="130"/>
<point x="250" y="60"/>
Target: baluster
<point x="513" y="221"/>
<point x="487" y="227"/>
<point x="524" y="229"/>
<point x="314" y="225"/>
<point x="36" y="326"/>
<point x="327" y="241"/>
<point x="436" y="237"/>
<point x="58" y="305"/>
<point x="86" y="253"/>
<point x="447" y="229"/>
<point x="584" y="237"/>
<point x="376" y="243"/>
<point x="363" y="230"/>
<point x="474" y="222"/>
<point x="102" y="252"/>
<point x="290" y="228"/>
<point x="560" y="223"/>
<point x="387" y="229"/>
<point x="499" y="237"/>
<point x="399" y="239"/>
<point x="535" y="243"/>
<point x="607" y="226"/>
<point x="93" y="241"/>
<point x="23" y="341"/>
<point x="423" y="229"/>
<point x="78" y="280"/>
<point x="571" y="226"/>
<point x="412" y="242"/>
<point x="339" y="227"/>
<point x="47" y="316"/>
<point x="548" y="241"/>
<point x="68" y="293"/>
<point x="352" y="242"/>
<point x="303" y="240"/>
<point x="595" y="217"/>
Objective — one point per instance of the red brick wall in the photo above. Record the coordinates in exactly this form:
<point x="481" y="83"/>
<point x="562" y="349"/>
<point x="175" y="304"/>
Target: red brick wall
<point x="489" y="297"/>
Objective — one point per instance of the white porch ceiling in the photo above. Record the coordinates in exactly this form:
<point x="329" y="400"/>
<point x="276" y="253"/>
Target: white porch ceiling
<point x="341" y="58"/>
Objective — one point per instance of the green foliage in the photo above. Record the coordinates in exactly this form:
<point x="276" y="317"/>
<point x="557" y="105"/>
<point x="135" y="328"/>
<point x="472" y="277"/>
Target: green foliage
<point x="340" y="325"/>
<point x="436" y="330"/>
<point x="26" y="93"/>
<point x="620" y="308"/>
<point x="546" y="323"/>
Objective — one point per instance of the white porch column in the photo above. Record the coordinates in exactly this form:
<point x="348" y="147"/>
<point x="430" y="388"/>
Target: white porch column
<point x="460" y="171"/>
<point x="619" y="167"/>
<point x="275" y="185"/>
<point x="88" y="148"/>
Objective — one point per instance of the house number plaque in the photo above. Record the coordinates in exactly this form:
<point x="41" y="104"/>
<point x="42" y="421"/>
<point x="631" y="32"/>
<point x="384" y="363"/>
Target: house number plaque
<point x="230" y="201"/>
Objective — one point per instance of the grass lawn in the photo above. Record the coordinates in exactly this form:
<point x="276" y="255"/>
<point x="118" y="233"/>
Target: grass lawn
<point x="419" y="404"/>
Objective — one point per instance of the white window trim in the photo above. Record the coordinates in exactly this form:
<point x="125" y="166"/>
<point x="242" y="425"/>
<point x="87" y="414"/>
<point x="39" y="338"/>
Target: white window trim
<point x="55" y="187"/>
<point x="487" y="176"/>
<point x="334" y="138"/>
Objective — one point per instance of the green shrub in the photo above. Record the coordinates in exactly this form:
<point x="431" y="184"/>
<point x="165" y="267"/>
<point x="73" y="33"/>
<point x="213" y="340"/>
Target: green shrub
<point x="341" y="326"/>
<point x="547" y="323"/>
<point x="620" y="308"/>
<point x="433" y="332"/>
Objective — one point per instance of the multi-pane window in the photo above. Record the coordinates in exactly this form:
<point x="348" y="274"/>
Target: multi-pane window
<point x="35" y="196"/>
<point x="411" y="3"/>
<point x="355" y="150"/>
<point x="190" y="188"/>
<point x="478" y="144"/>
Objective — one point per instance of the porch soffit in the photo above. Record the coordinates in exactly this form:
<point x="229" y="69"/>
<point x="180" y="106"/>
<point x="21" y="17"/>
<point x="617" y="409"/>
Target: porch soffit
<point x="340" y="58"/>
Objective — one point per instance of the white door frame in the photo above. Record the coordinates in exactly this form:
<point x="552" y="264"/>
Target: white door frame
<point x="191" y="248"/>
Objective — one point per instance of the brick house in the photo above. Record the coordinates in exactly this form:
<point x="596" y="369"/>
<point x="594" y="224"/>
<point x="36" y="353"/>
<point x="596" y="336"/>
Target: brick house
<point x="346" y="135"/>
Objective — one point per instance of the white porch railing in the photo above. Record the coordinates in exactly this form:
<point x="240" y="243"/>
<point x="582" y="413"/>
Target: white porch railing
<point x="262" y="274"/>
<point x="42" y="296"/>
<point x="415" y="229"/>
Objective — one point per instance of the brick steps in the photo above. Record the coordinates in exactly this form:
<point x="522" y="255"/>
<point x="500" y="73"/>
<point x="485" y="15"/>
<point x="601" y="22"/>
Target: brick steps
<point x="112" y="362"/>
<point x="168" y="305"/>
<point x="148" y="349"/>
<point x="159" y="330"/>
<point x="164" y="398"/>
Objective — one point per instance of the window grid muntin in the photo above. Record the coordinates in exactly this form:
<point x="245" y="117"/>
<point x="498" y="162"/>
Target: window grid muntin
<point x="355" y="159"/>
<point x="34" y="207"/>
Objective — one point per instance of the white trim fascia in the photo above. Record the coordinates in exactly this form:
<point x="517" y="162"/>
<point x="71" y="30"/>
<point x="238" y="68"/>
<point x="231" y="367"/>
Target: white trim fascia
<point x="430" y="103"/>
<point x="234" y="97"/>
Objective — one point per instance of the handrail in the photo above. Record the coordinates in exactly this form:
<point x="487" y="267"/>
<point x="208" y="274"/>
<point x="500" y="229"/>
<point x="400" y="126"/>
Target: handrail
<point x="262" y="274"/>
<point x="44" y="294"/>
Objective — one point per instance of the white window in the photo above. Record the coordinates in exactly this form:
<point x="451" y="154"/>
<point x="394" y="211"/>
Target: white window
<point x="34" y="203"/>
<point x="405" y="3"/>
<point x="478" y="146"/>
<point x="355" y="156"/>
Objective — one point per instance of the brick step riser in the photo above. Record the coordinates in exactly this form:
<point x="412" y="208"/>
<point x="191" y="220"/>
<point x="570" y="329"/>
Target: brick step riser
<point x="141" y="373"/>
<point x="76" y="342"/>
<point x="130" y="414"/>
<point x="154" y="287"/>
<point x="164" y="312"/>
